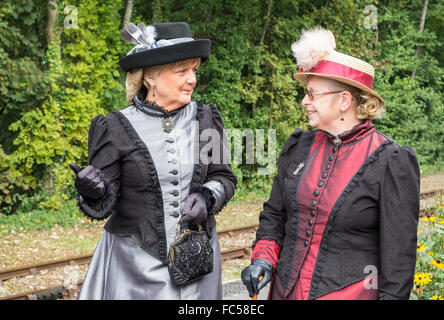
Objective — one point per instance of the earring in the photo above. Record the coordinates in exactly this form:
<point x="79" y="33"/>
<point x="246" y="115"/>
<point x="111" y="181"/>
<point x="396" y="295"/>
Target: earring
<point x="153" y="93"/>
<point x="342" y="116"/>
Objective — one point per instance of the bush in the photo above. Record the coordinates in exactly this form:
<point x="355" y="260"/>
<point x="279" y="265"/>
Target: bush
<point x="30" y="217"/>
<point x="429" y="272"/>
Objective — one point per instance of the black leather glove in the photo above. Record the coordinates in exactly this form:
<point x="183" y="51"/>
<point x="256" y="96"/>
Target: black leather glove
<point x="250" y="275"/>
<point x="89" y="181"/>
<point x="194" y="210"/>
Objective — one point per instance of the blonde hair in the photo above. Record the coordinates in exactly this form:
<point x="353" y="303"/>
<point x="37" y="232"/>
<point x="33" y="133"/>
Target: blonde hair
<point x="136" y="77"/>
<point x="367" y="105"/>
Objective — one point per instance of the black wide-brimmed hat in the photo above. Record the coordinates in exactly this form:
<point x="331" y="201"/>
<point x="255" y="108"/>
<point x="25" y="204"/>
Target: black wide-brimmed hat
<point x="160" y="44"/>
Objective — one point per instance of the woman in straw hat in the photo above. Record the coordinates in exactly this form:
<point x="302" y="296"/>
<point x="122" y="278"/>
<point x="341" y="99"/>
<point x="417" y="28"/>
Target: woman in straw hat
<point x="146" y="171"/>
<point x="341" y="220"/>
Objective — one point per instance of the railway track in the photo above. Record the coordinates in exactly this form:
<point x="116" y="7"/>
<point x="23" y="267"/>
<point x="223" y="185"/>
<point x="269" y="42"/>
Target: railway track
<point x="62" y="291"/>
<point x="26" y="270"/>
<point x="431" y="193"/>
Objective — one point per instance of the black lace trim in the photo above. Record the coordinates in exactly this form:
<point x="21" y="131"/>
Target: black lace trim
<point x="160" y="227"/>
<point x="322" y="254"/>
<point x="208" y="195"/>
<point x="147" y="106"/>
<point x="348" y="134"/>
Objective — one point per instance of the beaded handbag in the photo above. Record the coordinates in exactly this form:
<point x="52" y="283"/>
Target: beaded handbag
<point x="190" y="256"/>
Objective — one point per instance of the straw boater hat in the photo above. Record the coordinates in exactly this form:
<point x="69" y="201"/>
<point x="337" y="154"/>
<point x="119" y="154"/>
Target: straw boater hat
<point x="160" y="44"/>
<point x="316" y="56"/>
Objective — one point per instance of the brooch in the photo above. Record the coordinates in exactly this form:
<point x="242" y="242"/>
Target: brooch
<point x="299" y="168"/>
<point x="167" y="124"/>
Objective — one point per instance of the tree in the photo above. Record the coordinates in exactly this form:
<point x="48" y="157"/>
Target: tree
<point x="421" y="29"/>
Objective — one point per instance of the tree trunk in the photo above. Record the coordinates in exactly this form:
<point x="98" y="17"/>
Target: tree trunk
<point x="128" y="12"/>
<point x="51" y="20"/>
<point x="421" y="29"/>
<point x="423" y="16"/>
<point x="261" y="42"/>
<point x="267" y="23"/>
<point x="157" y="11"/>
<point x="52" y="30"/>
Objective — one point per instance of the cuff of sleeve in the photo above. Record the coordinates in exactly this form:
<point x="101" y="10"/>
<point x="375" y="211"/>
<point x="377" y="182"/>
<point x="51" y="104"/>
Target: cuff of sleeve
<point x="268" y="250"/>
<point x="208" y="195"/>
<point x="218" y="194"/>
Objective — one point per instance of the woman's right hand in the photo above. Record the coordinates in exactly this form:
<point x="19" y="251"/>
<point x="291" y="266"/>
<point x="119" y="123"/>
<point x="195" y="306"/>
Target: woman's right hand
<point x="251" y="276"/>
<point x="89" y="181"/>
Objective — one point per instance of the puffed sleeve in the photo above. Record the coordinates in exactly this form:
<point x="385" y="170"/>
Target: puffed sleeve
<point x="271" y="232"/>
<point x="272" y="219"/>
<point x="220" y="178"/>
<point x="399" y="214"/>
<point x="103" y="155"/>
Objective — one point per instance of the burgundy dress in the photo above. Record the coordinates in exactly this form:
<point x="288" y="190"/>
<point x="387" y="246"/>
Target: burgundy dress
<point x="334" y="214"/>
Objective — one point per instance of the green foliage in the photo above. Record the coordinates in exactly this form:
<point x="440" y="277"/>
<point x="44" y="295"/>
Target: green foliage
<point x="22" y="59"/>
<point x="83" y="81"/>
<point x="22" y="84"/>
<point x="414" y="107"/>
<point x="429" y="271"/>
<point x="30" y="217"/>
<point x="50" y="92"/>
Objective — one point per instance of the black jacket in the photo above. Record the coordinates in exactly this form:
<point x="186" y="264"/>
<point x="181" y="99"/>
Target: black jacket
<point x="134" y="197"/>
<point x="373" y="222"/>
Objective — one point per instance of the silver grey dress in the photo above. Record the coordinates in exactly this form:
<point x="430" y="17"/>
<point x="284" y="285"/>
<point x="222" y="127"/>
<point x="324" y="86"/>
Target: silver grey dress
<point x="120" y="269"/>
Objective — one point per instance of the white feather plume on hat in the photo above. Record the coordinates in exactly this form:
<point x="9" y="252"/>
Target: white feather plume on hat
<point x="313" y="45"/>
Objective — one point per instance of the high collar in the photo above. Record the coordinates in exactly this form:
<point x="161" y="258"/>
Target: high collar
<point x="352" y="135"/>
<point x="139" y="102"/>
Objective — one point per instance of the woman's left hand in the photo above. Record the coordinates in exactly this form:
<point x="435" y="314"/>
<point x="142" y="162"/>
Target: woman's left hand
<point x="194" y="210"/>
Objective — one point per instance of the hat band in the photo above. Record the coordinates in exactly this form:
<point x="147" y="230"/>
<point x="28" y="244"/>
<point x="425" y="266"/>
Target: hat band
<point x="330" y="68"/>
<point x="158" y="44"/>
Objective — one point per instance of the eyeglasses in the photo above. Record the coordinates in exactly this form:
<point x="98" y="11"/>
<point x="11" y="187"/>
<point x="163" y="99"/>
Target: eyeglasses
<point x="312" y="95"/>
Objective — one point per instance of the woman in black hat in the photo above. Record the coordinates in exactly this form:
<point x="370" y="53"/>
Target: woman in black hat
<point x="151" y="170"/>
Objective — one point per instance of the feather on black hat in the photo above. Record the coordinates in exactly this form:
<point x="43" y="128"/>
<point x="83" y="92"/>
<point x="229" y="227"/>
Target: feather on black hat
<point x="160" y="44"/>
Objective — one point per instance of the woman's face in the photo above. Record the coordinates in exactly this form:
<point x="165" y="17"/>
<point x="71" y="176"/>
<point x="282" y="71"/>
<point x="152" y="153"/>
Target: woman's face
<point x="323" y="110"/>
<point x="174" y="86"/>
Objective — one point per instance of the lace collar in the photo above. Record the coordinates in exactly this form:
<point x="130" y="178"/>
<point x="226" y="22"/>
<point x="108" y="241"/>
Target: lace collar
<point x="352" y="135"/>
<point x="150" y="107"/>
